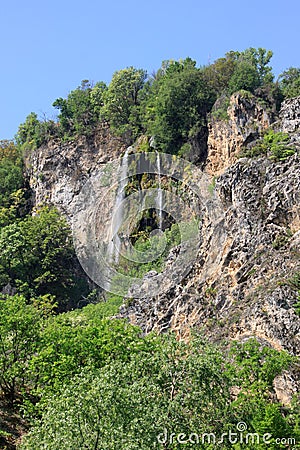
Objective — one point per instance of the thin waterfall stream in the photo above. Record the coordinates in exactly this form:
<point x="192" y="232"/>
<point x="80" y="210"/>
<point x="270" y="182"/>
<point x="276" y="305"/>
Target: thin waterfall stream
<point x="159" y="198"/>
<point x="114" y="245"/>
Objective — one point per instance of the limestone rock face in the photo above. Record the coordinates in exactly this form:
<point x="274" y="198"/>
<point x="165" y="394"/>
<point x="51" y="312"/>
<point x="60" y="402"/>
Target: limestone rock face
<point x="57" y="171"/>
<point x="242" y="282"/>
<point x="289" y="120"/>
<point x="246" y="119"/>
<point x="285" y="387"/>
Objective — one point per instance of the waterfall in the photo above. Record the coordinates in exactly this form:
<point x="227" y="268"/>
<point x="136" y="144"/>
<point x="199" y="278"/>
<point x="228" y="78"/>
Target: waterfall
<point x="159" y="198"/>
<point x="114" y="245"/>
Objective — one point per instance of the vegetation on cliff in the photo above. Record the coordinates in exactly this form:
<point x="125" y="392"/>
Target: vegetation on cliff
<point x="171" y="104"/>
<point x="88" y="381"/>
<point x="82" y="379"/>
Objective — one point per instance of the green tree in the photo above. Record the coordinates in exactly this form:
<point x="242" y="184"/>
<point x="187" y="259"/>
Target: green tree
<point x="12" y="191"/>
<point x="176" y="108"/>
<point x="28" y="133"/>
<point x="74" y="340"/>
<point x="218" y="74"/>
<point x="245" y="77"/>
<point x="260" y="59"/>
<point x="167" y="387"/>
<point x="246" y="70"/>
<point x="252" y="369"/>
<point x="37" y="256"/>
<point x="127" y="404"/>
<point x="15" y="207"/>
<point x="20" y="328"/>
<point x="33" y="133"/>
<point x="289" y="82"/>
<point x="97" y="99"/>
<point x="11" y="171"/>
<point x="81" y="110"/>
<point x="122" y="100"/>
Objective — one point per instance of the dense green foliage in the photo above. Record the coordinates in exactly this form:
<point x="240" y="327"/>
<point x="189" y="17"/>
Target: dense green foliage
<point x="84" y="379"/>
<point x="33" y="132"/>
<point x="122" y="100"/>
<point x="11" y="171"/>
<point x="92" y="382"/>
<point x="247" y="70"/>
<point x="81" y="111"/>
<point x="290" y="82"/>
<point x="276" y="145"/>
<point x="19" y="331"/>
<point x="176" y="108"/>
<point x="171" y="105"/>
<point x="37" y="257"/>
<point x="133" y="401"/>
<point x="244" y="77"/>
<point x="159" y="385"/>
<point x="12" y="192"/>
<point x="40" y="349"/>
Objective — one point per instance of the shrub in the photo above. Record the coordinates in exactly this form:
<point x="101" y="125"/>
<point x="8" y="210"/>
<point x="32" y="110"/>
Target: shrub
<point x="274" y="144"/>
<point x="219" y="110"/>
<point x="33" y="133"/>
<point x="81" y="110"/>
<point x="244" y="77"/>
<point x="176" y="108"/>
<point x="289" y="82"/>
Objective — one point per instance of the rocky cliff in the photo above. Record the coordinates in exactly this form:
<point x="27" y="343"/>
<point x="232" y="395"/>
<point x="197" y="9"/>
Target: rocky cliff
<point x="57" y="171"/>
<point x="246" y="119"/>
<point x="245" y="286"/>
<point x="245" y="279"/>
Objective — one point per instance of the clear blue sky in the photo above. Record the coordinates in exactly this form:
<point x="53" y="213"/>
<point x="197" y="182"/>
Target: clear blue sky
<point x="48" y="47"/>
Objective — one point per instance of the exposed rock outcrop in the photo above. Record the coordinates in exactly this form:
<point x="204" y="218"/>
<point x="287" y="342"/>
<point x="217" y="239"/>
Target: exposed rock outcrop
<point x="57" y="171"/>
<point x="243" y="282"/>
<point x="245" y="286"/>
<point x="285" y="387"/>
<point x="289" y="120"/>
<point x="289" y="116"/>
<point x="246" y="118"/>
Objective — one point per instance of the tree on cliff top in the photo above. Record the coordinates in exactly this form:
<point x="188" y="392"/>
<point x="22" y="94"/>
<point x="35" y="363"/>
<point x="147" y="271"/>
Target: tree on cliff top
<point x="289" y="82"/>
<point x="176" y="107"/>
<point x="81" y="110"/>
<point x="122" y="100"/>
<point x="246" y="70"/>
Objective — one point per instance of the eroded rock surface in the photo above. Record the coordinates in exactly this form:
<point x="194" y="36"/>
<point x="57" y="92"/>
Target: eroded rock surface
<point x="243" y="282"/>
<point x="57" y="171"/>
<point x="246" y="118"/>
